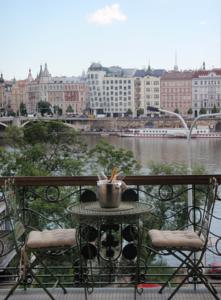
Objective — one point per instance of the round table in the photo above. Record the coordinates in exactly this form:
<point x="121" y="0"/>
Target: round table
<point x="109" y="236"/>
<point x="92" y="212"/>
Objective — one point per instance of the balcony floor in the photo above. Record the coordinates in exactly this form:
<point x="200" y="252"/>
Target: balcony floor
<point x="109" y="294"/>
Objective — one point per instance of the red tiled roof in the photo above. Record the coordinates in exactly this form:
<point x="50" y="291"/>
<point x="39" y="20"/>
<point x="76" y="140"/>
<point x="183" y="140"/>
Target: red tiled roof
<point x="197" y="74"/>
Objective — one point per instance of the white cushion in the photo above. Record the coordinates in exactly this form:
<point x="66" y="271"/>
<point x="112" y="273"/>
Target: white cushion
<point x="169" y="239"/>
<point x="51" y="238"/>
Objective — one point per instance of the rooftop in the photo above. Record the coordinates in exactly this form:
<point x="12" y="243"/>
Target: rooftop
<point x="176" y="75"/>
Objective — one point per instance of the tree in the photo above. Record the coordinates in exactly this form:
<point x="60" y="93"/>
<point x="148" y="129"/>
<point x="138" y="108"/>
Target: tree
<point x="104" y="157"/>
<point x="69" y="109"/>
<point x="22" y="109"/>
<point x="170" y="200"/>
<point x="215" y="109"/>
<point x="140" y="112"/>
<point x="46" y="148"/>
<point x="190" y="111"/>
<point x="176" y="111"/>
<point x="11" y="113"/>
<point x="202" y="111"/>
<point x="44" y="107"/>
<point x="129" y="112"/>
<point x="53" y="148"/>
<point x="57" y="110"/>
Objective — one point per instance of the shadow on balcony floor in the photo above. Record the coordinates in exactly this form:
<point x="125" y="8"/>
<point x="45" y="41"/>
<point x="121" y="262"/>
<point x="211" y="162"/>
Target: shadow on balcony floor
<point x="109" y="294"/>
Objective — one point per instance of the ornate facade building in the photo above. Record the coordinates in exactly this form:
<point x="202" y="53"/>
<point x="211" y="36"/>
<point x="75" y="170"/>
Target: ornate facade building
<point x="176" y="91"/>
<point x="114" y="91"/>
<point x="206" y="91"/>
<point x="19" y="95"/>
<point x="65" y="93"/>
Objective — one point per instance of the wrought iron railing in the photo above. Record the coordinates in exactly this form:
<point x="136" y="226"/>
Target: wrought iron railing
<point x="43" y="204"/>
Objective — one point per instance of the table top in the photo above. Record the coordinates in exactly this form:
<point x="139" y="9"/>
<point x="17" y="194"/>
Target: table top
<point x="92" y="210"/>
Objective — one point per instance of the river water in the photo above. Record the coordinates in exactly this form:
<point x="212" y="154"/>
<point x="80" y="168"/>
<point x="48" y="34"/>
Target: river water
<point x="201" y="151"/>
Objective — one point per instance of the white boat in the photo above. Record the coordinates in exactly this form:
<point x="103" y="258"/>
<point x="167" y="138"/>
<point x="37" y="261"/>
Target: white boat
<point x="104" y="134"/>
<point x="168" y="133"/>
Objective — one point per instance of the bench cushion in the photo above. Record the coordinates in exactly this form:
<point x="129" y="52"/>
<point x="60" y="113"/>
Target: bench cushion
<point x="51" y="238"/>
<point x="170" y="239"/>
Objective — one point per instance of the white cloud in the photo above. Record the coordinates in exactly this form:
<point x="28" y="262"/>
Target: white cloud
<point x="107" y="15"/>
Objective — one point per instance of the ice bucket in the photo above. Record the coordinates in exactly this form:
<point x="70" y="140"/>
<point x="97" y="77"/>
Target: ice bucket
<point x="109" y="193"/>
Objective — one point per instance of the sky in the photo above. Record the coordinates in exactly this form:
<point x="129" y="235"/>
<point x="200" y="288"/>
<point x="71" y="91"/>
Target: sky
<point x="71" y="34"/>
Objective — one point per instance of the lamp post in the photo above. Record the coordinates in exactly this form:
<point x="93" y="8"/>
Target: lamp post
<point x="204" y="116"/>
<point x="188" y="136"/>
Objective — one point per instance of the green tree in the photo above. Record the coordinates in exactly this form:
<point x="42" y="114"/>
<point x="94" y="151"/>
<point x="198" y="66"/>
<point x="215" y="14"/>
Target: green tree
<point x="170" y="201"/>
<point x="22" y="109"/>
<point x="176" y="111"/>
<point x="57" y="110"/>
<point x="202" y="111"/>
<point x="215" y="109"/>
<point x="190" y="111"/>
<point x="140" y="112"/>
<point x="104" y="157"/>
<point x="44" y="107"/>
<point x="69" y="109"/>
<point x="129" y="112"/>
<point x="46" y="148"/>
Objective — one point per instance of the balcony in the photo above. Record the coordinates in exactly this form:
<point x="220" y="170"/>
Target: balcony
<point x="43" y="202"/>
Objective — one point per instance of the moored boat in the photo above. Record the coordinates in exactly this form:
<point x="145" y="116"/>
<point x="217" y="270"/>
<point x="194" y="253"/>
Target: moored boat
<point x="168" y="133"/>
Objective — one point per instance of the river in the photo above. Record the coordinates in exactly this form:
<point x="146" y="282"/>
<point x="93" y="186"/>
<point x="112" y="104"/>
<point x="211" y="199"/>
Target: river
<point x="201" y="151"/>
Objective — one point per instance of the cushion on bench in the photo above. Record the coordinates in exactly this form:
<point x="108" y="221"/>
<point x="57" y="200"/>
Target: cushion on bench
<point x="169" y="239"/>
<point x="51" y="238"/>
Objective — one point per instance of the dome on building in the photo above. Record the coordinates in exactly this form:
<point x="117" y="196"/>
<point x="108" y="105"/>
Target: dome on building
<point x="95" y="67"/>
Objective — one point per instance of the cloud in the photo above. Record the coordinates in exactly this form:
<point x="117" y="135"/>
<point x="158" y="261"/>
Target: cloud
<point x="107" y="15"/>
<point x="202" y="22"/>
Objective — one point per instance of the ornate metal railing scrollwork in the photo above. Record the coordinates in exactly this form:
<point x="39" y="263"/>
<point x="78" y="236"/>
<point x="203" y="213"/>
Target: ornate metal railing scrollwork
<point x="43" y="204"/>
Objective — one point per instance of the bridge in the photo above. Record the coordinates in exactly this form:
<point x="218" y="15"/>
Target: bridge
<point x="92" y="124"/>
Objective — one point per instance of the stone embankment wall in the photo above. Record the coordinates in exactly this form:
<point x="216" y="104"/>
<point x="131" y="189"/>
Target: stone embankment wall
<point x="108" y="124"/>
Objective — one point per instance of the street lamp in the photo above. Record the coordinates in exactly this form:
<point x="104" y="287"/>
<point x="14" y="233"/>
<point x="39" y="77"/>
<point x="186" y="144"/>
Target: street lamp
<point x="204" y="116"/>
<point x="188" y="136"/>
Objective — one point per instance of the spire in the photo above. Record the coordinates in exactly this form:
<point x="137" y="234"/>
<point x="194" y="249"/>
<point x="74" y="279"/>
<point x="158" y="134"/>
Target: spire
<point x="44" y="76"/>
<point x="46" y="73"/>
<point x="204" y="66"/>
<point x="149" y="67"/>
<point x="30" y="78"/>
<point x="1" y="78"/>
<point x="40" y="73"/>
<point x="176" y="65"/>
